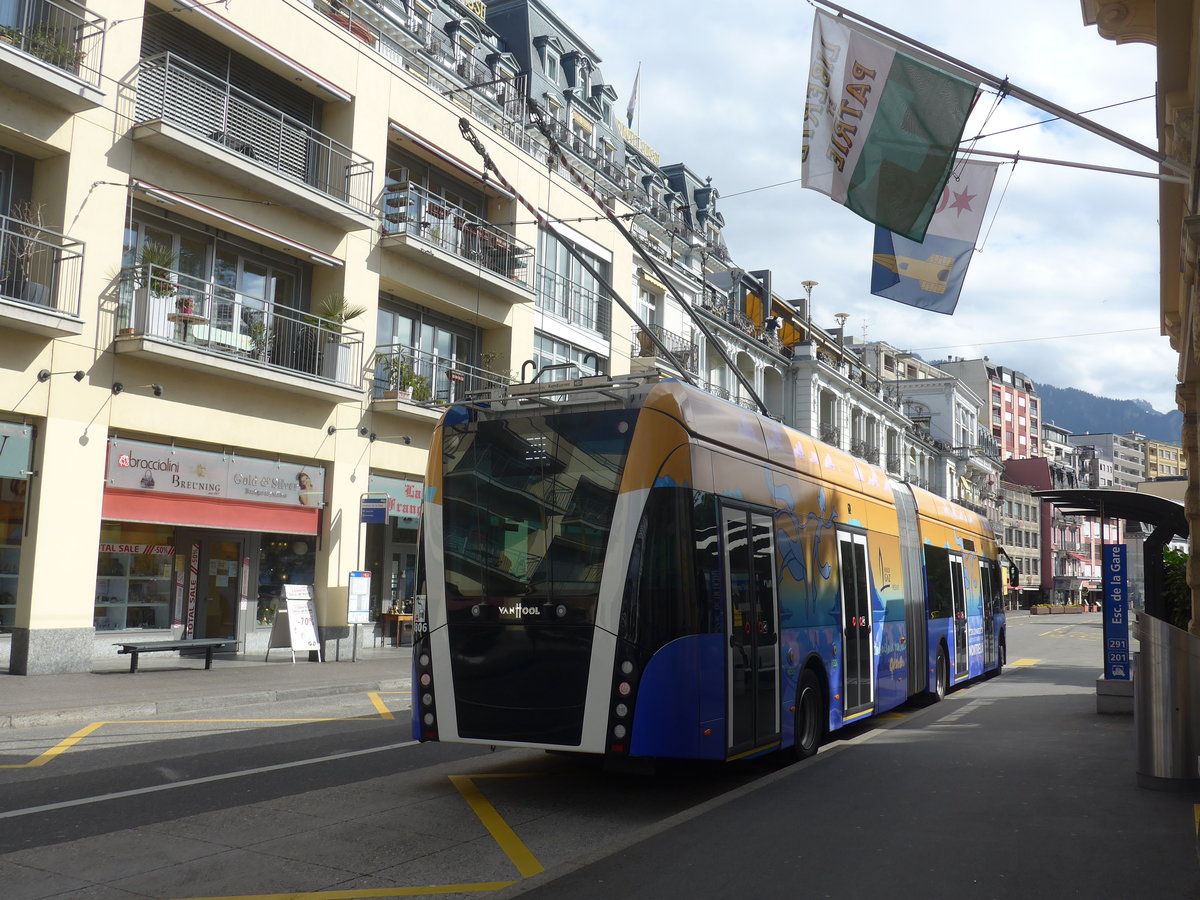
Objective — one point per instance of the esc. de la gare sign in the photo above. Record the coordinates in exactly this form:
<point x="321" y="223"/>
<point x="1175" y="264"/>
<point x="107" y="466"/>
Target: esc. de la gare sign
<point x="161" y="469"/>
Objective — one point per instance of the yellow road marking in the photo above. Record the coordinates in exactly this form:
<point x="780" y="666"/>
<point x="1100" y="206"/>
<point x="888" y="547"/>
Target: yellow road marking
<point x="360" y="893"/>
<point x="1024" y="662"/>
<point x="1196" y="810"/>
<point x="61" y="747"/>
<point x="503" y="835"/>
<point x="380" y="706"/>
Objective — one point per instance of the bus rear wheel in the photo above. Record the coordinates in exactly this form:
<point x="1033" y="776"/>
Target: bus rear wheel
<point x="941" y="677"/>
<point x="811" y="717"/>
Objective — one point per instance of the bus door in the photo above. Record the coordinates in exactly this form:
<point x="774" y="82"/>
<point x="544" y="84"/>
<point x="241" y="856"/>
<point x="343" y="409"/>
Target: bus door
<point x="858" y="660"/>
<point x="990" y="579"/>
<point x="752" y="629"/>
<point x="959" y="598"/>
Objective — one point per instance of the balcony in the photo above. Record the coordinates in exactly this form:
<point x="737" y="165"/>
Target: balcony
<point x="52" y="51"/>
<point x="681" y="352"/>
<point x="560" y="297"/>
<point x="408" y="380"/>
<point x="197" y="324"/>
<point x="425" y="227"/>
<point x="198" y="117"/>
<point x="40" y="272"/>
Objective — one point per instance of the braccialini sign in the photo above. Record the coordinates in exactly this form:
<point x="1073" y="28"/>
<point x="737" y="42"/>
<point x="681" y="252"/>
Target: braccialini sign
<point x="162" y="469"/>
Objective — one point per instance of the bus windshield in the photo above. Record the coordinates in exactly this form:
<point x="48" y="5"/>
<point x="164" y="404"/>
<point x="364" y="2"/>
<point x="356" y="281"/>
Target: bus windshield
<point x="527" y="505"/>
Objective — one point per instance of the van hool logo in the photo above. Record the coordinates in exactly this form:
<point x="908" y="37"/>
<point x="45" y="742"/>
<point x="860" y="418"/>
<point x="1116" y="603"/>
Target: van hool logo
<point x="129" y="461"/>
<point x="517" y="609"/>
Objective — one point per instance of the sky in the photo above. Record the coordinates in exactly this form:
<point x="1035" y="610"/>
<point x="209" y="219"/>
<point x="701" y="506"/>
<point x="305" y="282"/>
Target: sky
<point x="1064" y="284"/>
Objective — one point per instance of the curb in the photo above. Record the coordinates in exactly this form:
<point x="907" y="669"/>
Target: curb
<point x="151" y="709"/>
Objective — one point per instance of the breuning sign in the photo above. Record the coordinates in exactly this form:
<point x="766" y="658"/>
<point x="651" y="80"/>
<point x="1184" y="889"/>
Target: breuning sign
<point x="160" y="469"/>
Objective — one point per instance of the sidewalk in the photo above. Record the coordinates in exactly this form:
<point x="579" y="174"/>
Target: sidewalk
<point x="165" y="683"/>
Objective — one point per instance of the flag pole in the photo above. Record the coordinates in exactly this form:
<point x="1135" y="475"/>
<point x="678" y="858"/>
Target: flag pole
<point x="1020" y="93"/>
<point x="1020" y="157"/>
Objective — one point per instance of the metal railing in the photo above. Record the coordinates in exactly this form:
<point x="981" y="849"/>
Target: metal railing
<point x="40" y="267"/>
<point x="201" y="315"/>
<point x="176" y="91"/>
<point x="64" y="34"/>
<point x="561" y="297"/>
<point x="680" y="350"/>
<point x="428" y="377"/>
<point x="410" y="209"/>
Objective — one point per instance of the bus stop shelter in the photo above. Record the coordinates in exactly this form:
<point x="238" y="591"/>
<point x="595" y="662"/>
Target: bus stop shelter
<point x="1167" y="663"/>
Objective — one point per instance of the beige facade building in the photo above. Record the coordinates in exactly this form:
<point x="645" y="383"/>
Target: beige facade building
<point x="234" y="235"/>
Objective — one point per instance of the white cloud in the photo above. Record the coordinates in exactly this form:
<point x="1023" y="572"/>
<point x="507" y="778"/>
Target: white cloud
<point x="1070" y="252"/>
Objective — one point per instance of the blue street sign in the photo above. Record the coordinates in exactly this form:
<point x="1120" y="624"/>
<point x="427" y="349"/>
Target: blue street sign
<point x="373" y="511"/>
<point x="1116" y="613"/>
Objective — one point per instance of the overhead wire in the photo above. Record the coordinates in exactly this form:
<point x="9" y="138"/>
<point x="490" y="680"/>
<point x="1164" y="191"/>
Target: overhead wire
<point x="1052" y="337"/>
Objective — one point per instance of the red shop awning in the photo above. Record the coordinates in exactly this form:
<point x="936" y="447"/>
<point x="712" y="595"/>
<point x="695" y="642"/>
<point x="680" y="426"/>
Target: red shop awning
<point x="201" y="512"/>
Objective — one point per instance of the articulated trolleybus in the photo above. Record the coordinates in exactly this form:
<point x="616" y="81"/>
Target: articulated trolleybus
<point x="639" y="569"/>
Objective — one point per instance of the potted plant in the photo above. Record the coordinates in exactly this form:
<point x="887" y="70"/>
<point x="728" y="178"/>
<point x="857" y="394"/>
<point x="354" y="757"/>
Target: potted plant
<point x="401" y="380"/>
<point x="49" y="43"/>
<point x="333" y="312"/>
<point x="156" y="292"/>
<point x="260" y="335"/>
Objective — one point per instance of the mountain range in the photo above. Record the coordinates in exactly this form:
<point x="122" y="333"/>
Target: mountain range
<point x="1082" y="412"/>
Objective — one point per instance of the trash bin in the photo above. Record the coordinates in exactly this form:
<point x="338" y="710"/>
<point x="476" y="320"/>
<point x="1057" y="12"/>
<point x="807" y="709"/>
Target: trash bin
<point x="1167" y="678"/>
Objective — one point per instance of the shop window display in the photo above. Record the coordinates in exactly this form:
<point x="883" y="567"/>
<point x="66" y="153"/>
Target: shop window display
<point x="134" y="576"/>
<point x="282" y="559"/>
<point x="12" y="527"/>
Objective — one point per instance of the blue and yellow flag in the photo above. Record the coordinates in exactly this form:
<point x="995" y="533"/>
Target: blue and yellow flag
<point x="929" y="274"/>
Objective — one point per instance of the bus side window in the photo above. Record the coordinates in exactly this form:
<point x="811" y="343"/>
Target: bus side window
<point x="937" y="583"/>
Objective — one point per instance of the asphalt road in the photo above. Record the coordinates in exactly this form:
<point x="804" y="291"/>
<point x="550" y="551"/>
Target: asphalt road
<point x="1011" y="787"/>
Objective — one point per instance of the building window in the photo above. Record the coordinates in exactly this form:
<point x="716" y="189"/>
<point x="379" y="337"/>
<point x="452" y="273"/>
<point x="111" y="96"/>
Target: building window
<point x="551" y="351"/>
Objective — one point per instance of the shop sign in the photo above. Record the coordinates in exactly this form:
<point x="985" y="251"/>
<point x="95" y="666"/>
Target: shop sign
<point x="160" y="469"/>
<point x="141" y="549"/>
<point x="403" y="496"/>
<point x="16" y="450"/>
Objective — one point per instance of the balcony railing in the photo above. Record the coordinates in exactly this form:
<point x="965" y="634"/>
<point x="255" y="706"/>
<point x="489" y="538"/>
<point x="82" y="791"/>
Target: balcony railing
<point x="40" y="267"/>
<point x="865" y="450"/>
<point x="196" y="314"/>
<point x="430" y="378"/>
<point x="64" y="34"/>
<point x="561" y="297"/>
<point x="175" y="91"/>
<point x="830" y="434"/>
<point x="410" y="209"/>
<point x="680" y="351"/>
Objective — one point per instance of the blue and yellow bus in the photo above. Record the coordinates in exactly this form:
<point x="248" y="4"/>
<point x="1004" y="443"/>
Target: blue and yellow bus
<point x="641" y="569"/>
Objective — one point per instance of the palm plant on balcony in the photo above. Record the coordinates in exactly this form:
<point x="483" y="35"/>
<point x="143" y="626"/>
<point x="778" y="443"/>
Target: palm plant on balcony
<point x="334" y="311"/>
<point x="156" y="294"/>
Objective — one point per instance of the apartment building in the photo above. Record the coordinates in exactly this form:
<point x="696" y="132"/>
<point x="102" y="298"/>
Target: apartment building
<point x="1011" y="410"/>
<point x="1115" y="459"/>
<point x="1020" y="533"/>
<point x="247" y="250"/>
<point x="1163" y="460"/>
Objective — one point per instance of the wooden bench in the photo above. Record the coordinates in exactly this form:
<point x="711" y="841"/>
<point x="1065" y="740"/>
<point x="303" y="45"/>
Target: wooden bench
<point x="208" y="645"/>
